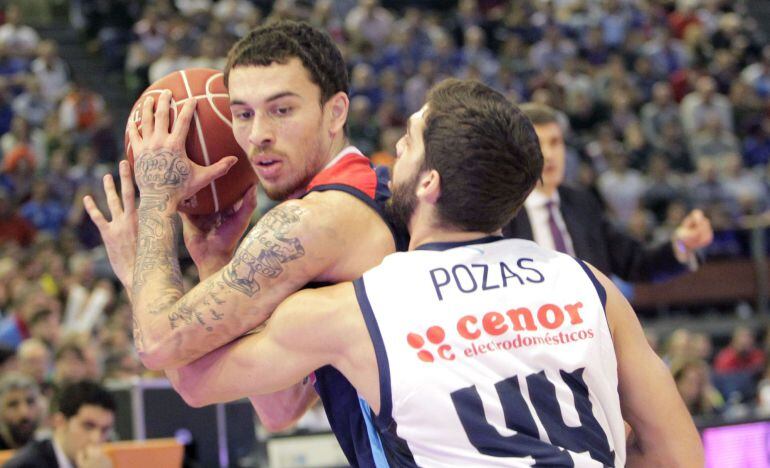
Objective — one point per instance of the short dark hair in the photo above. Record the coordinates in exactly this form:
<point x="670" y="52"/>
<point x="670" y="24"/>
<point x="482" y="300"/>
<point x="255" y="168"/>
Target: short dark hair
<point x="280" y="41"/>
<point x="76" y="395"/>
<point x="486" y="152"/>
<point x="539" y="114"/>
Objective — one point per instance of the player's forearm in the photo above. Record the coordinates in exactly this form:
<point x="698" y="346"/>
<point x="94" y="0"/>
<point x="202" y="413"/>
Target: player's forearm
<point x="157" y="281"/>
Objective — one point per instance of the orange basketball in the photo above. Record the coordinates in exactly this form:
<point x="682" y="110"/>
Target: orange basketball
<point x="210" y="137"/>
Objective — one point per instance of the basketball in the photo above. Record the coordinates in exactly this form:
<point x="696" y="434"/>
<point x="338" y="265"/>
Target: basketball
<point x="209" y="139"/>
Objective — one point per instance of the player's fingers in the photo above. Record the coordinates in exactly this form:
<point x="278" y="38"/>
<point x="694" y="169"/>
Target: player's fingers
<point x="113" y="202"/>
<point x="126" y="186"/>
<point x="161" y="113"/>
<point x="147" y="117"/>
<point x="205" y="174"/>
<point x="182" y="123"/>
<point x="93" y="212"/>
<point x="250" y="200"/>
<point x="134" y="139"/>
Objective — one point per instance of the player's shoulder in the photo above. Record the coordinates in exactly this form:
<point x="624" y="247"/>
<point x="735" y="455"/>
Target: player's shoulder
<point x="352" y="171"/>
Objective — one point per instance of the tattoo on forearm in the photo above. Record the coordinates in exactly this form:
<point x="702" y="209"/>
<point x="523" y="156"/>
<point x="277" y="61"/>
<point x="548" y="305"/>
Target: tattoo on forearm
<point x="265" y="250"/>
<point x="155" y="201"/>
<point x="187" y="314"/>
<point x="159" y="169"/>
<point x="156" y="250"/>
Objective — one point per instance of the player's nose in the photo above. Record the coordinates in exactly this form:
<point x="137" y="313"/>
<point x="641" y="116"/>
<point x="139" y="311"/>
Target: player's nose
<point x="262" y="134"/>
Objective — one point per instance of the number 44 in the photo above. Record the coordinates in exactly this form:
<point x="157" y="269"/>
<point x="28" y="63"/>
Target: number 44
<point x="588" y="437"/>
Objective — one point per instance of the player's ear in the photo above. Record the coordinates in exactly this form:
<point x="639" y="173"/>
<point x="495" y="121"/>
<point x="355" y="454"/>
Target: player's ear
<point x="429" y="186"/>
<point x="337" y="106"/>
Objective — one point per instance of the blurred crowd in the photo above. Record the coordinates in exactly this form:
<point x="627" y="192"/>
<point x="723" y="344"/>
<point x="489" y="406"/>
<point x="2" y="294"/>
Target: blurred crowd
<point x="667" y="103"/>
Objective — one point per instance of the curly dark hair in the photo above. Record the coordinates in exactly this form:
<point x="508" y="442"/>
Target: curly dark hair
<point x="280" y="41"/>
<point x="485" y="151"/>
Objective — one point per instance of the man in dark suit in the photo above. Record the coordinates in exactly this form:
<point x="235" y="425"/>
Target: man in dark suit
<point x="83" y="419"/>
<point x="573" y="221"/>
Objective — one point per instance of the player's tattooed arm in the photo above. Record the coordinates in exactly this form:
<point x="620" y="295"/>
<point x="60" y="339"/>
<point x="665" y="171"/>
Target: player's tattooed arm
<point x="227" y="304"/>
<point x="265" y="250"/>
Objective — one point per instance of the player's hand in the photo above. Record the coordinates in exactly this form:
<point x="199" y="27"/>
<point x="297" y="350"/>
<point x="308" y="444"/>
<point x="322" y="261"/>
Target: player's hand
<point x="120" y="233"/>
<point x="92" y="457"/>
<point x="212" y="239"/>
<point x="695" y="231"/>
<point x="163" y="171"/>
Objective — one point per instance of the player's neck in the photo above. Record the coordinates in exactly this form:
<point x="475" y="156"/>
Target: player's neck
<point x="338" y="144"/>
<point x="422" y="233"/>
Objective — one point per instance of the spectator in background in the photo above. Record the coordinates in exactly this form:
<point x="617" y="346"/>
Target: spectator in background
<point x="20" y="410"/>
<point x="208" y="56"/>
<point x="713" y="141"/>
<point x="741" y="355"/>
<point x="51" y="72"/>
<point x="661" y="112"/>
<point x="70" y="365"/>
<point x="172" y="59"/>
<point x="83" y="419"/>
<point x="663" y="187"/>
<point x="48" y="214"/>
<point x="35" y="360"/>
<point x="756" y="145"/>
<point x="31" y="105"/>
<point x="552" y="51"/>
<point x="369" y="21"/>
<point x="692" y="381"/>
<point x="13" y="227"/>
<point x="621" y="187"/>
<point x="744" y="185"/>
<point x="44" y="324"/>
<point x="696" y="106"/>
<point x="667" y="53"/>
<point x="79" y="109"/>
<point x="20" y="39"/>
<point x="758" y="74"/>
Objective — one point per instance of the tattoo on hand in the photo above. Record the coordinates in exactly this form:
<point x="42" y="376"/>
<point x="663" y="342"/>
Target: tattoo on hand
<point x="162" y="169"/>
<point x="265" y="250"/>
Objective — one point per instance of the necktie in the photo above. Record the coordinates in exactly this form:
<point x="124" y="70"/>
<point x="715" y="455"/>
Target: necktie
<point x="558" y="237"/>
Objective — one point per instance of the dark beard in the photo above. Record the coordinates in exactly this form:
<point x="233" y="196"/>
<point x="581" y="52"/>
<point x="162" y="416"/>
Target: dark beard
<point x="402" y="204"/>
<point x="22" y="433"/>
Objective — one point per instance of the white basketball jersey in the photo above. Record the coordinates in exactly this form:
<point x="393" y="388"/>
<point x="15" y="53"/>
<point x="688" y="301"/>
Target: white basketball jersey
<point x="494" y="352"/>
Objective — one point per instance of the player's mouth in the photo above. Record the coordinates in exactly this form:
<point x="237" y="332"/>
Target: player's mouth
<point x="268" y="168"/>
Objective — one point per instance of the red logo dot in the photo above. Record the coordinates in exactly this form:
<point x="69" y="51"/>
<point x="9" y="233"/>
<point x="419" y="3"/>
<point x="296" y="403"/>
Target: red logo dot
<point x="435" y="335"/>
<point x="425" y="356"/>
<point x="415" y="340"/>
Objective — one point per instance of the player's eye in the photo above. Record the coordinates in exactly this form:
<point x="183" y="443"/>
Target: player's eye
<point x="282" y="111"/>
<point x="243" y="115"/>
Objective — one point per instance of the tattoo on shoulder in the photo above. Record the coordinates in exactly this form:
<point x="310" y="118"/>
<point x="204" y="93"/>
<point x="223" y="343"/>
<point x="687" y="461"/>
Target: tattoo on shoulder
<point x="265" y="250"/>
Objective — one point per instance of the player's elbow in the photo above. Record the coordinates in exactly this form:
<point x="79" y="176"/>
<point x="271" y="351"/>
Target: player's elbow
<point x="273" y="423"/>
<point x="156" y="357"/>
<point x="187" y="388"/>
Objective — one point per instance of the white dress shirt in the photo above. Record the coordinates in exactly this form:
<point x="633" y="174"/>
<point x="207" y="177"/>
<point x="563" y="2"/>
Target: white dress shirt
<point x="537" y="210"/>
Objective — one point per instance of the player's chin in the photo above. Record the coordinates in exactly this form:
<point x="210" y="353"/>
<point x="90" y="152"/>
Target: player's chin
<point x="279" y="190"/>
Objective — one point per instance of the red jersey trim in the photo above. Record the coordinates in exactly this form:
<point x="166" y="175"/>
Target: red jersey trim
<point x="353" y="170"/>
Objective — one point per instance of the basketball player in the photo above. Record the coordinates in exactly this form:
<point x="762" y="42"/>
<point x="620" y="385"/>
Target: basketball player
<point x="493" y="352"/>
<point x="288" y="90"/>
